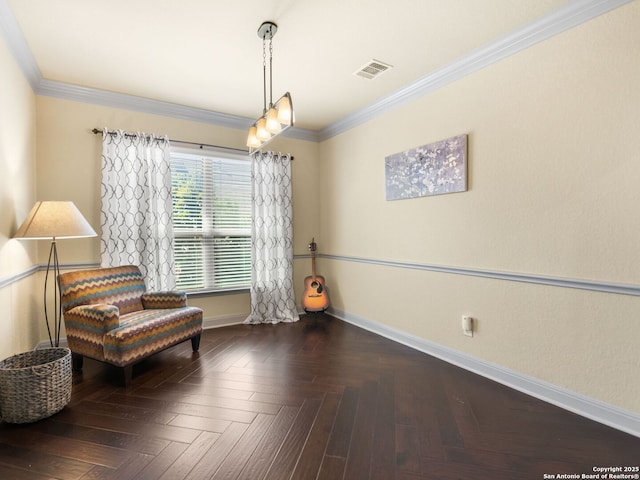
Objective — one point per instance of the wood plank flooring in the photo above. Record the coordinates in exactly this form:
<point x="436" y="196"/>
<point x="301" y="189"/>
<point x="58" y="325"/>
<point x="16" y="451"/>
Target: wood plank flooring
<point x="317" y="399"/>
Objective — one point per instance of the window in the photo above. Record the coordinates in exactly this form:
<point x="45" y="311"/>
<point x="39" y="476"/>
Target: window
<point x="211" y="219"/>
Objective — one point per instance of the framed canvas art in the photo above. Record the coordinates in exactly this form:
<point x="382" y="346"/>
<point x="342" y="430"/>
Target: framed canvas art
<point x="432" y="169"/>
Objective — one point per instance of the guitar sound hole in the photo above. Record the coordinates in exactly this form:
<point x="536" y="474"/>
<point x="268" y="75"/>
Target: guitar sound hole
<point x="317" y="285"/>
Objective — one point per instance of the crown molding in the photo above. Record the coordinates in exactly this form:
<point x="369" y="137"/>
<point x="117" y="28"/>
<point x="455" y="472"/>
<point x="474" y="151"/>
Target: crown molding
<point x="10" y="31"/>
<point x="564" y="18"/>
<point x="106" y="98"/>
<point x="66" y="91"/>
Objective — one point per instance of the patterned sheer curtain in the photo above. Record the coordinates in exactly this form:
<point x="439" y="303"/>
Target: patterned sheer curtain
<point x="137" y="227"/>
<point x="272" y="295"/>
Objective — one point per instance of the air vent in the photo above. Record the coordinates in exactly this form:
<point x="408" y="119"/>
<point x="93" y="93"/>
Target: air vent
<point x="372" y="69"/>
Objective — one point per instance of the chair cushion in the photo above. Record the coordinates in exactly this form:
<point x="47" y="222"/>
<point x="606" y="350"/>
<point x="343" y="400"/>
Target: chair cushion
<point x="118" y="286"/>
<point x="149" y="331"/>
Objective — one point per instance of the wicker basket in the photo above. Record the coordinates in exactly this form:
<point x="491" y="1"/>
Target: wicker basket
<point x="35" y="384"/>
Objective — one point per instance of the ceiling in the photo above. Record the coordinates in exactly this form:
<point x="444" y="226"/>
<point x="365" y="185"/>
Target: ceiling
<point x="206" y="53"/>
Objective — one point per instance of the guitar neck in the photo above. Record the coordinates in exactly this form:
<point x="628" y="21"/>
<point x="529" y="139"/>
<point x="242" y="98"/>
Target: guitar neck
<point x="313" y="265"/>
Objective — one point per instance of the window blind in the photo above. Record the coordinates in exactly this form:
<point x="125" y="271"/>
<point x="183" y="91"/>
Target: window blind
<point x="212" y="221"/>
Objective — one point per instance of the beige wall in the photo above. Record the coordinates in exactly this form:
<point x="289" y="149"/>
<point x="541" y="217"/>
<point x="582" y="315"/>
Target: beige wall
<point x="553" y="191"/>
<point x="69" y="169"/>
<point x="19" y="318"/>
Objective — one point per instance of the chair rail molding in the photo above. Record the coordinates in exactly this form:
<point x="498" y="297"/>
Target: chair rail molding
<point x="16" y="277"/>
<point x="593" y="285"/>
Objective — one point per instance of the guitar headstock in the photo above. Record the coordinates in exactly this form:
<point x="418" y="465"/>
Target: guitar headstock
<point x="312" y="245"/>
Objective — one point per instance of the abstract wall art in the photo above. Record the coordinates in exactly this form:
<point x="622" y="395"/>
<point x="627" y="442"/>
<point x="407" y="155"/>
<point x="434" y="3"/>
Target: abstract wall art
<point x="432" y="169"/>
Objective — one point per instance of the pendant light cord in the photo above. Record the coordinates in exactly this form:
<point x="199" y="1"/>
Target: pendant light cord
<point x="264" y="74"/>
<point x="270" y="71"/>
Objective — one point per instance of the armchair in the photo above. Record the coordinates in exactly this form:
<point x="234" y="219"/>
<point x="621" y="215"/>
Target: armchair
<point x="109" y="316"/>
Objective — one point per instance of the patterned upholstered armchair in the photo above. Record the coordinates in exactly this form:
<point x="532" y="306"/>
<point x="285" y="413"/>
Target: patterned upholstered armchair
<point x="109" y="316"/>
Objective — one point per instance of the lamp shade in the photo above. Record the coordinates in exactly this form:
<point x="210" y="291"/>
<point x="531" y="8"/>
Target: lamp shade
<point x="261" y="130"/>
<point x="49" y="220"/>
<point x="285" y="109"/>
<point x="273" y="125"/>
<point x="252" y="138"/>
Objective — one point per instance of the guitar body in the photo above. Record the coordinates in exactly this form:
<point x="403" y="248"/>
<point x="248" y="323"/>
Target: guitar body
<point x="315" y="298"/>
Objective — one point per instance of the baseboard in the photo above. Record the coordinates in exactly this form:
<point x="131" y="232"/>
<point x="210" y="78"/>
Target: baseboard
<point x="223" y="321"/>
<point x="587" y="407"/>
<point x="582" y="405"/>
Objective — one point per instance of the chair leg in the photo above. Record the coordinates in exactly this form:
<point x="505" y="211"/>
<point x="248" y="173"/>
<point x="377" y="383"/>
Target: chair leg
<point x="195" y="342"/>
<point x="77" y="361"/>
<point x="127" y="374"/>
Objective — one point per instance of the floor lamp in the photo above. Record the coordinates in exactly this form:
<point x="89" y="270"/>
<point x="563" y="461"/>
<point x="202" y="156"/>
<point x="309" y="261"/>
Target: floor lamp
<point x="51" y="221"/>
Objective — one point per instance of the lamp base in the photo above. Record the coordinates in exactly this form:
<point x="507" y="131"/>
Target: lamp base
<point x="54" y="339"/>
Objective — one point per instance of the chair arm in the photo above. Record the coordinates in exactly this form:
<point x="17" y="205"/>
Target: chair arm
<point x="98" y="318"/>
<point x="168" y="299"/>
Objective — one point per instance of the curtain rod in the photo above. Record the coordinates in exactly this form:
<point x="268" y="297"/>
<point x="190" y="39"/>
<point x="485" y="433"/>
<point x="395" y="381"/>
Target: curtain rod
<point x="201" y="145"/>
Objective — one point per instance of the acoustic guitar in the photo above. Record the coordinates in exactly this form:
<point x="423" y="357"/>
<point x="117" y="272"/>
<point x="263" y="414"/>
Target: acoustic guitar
<point x="315" y="297"/>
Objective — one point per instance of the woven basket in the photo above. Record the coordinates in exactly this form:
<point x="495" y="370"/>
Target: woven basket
<point x="35" y="384"/>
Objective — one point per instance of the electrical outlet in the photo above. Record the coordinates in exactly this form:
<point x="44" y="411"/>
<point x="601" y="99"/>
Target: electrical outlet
<point x="467" y="325"/>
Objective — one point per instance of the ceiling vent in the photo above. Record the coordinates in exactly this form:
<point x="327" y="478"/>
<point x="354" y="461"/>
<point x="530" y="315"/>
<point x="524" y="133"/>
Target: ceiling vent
<point x="372" y="69"/>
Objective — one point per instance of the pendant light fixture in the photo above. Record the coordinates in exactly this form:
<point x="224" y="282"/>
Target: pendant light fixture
<point x="277" y="116"/>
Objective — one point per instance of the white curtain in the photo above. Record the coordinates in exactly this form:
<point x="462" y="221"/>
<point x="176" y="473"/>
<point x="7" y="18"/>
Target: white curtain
<point x="136" y="214"/>
<point x="272" y="294"/>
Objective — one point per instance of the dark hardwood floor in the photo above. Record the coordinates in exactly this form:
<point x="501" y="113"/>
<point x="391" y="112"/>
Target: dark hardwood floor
<point x="318" y="399"/>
